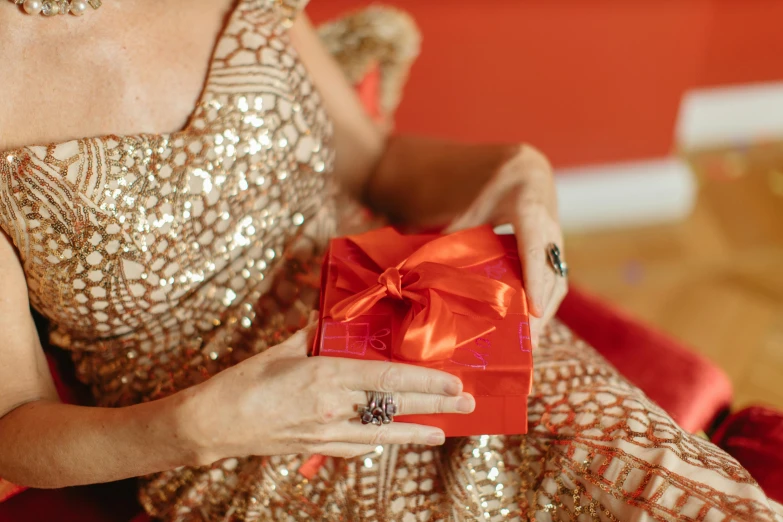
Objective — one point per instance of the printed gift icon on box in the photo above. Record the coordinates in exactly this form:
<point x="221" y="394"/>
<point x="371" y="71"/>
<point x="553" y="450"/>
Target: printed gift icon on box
<point x="352" y="338"/>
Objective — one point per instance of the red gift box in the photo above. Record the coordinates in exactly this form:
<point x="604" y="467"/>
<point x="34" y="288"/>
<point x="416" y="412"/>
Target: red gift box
<point x="454" y="303"/>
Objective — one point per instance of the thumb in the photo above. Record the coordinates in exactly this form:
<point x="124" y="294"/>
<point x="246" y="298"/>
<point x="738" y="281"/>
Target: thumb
<point x="469" y="219"/>
<point x="300" y="343"/>
<point x="478" y="213"/>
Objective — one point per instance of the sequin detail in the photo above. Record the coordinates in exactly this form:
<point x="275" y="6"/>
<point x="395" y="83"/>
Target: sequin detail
<point x="597" y="450"/>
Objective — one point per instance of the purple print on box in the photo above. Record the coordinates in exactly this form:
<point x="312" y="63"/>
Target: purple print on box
<point x="356" y="337"/>
<point x="523" y="336"/>
<point x="495" y="270"/>
<point x="473" y="357"/>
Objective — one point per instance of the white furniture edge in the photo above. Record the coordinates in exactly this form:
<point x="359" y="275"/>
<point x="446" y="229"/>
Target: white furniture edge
<point x="721" y="116"/>
<point x="600" y="197"/>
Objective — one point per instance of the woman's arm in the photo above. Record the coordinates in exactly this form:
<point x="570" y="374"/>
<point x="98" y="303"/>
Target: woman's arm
<point x="428" y="182"/>
<point x="48" y="444"/>
<point x="414" y="180"/>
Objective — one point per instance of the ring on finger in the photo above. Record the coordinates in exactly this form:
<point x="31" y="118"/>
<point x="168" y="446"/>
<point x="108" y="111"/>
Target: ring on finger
<point x="380" y="408"/>
<point x="556" y="260"/>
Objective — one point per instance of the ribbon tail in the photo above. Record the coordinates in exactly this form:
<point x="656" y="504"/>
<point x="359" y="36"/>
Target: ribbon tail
<point x="431" y="332"/>
<point x="357" y="305"/>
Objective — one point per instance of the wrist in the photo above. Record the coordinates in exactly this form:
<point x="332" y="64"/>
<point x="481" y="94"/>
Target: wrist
<point x="427" y="182"/>
<point x="189" y="429"/>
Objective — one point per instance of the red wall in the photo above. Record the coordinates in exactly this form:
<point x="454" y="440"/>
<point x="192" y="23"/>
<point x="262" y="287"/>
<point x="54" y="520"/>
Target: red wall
<point x="587" y="82"/>
<point x="745" y="43"/>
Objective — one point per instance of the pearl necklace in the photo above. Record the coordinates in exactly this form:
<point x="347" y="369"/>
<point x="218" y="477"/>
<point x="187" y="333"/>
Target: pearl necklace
<point x="54" y="7"/>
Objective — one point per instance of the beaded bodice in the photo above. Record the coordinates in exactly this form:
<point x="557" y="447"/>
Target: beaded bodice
<point x="157" y="248"/>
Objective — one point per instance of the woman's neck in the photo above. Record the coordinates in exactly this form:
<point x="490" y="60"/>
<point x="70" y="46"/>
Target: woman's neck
<point x="130" y="67"/>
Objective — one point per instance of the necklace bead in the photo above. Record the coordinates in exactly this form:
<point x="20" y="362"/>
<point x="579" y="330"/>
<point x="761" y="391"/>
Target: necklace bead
<point x="51" y="8"/>
<point x="78" y="7"/>
<point x="32" y="7"/>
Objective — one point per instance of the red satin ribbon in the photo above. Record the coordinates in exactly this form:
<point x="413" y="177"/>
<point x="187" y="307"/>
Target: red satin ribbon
<point x="431" y="280"/>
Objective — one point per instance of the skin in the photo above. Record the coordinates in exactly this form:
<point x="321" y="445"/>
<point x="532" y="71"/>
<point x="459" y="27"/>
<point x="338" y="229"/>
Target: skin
<point x="121" y="71"/>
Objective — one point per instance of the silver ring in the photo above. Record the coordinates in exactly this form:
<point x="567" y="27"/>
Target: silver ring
<point x="560" y="266"/>
<point x="380" y="408"/>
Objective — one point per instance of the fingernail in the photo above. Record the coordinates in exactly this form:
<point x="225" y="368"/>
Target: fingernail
<point x="453" y="387"/>
<point x="466" y="403"/>
<point x="436" y="439"/>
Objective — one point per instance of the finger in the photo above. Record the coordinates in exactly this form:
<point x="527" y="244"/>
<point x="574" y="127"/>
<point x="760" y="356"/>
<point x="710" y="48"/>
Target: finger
<point x="420" y="403"/>
<point x="394" y="433"/>
<point x="344" y="450"/>
<point x="479" y="212"/>
<point x="559" y="291"/>
<point x="462" y="222"/>
<point x="536" y="325"/>
<point x="532" y="250"/>
<point x="311" y="330"/>
<point x="423" y="403"/>
<point x="397" y="377"/>
<point x="469" y="219"/>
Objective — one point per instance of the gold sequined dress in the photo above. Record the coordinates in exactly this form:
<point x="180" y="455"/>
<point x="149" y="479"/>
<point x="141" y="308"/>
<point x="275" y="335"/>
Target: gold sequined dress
<point x="163" y="259"/>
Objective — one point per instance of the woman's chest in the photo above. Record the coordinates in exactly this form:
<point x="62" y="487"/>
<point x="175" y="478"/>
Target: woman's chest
<point x="139" y="69"/>
<point x="117" y="231"/>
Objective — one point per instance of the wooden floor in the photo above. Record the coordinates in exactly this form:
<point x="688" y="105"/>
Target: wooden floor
<point x="714" y="281"/>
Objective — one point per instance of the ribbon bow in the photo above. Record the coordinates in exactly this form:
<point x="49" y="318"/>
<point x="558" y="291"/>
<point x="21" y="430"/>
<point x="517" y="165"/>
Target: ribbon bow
<point x="429" y="281"/>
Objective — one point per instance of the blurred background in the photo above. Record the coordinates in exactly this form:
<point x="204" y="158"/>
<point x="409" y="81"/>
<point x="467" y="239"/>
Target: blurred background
<point x="664" y="121"/>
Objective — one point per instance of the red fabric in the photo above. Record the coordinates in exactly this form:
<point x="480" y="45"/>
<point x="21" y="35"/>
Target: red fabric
<point x="8" y="490"/>
<point x="754" y="436"/>
<point x="114" y="502"/>
<point x="69" y="389"/>
<point x="369" y="91"/>
<point x="689" y="387"/>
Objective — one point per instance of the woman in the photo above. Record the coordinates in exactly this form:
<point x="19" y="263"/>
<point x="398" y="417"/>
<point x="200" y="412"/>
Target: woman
<point x="180" y="269"/>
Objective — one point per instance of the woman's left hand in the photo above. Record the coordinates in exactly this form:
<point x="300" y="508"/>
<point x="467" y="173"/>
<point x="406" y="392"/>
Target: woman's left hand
<point x="522" y="193"/>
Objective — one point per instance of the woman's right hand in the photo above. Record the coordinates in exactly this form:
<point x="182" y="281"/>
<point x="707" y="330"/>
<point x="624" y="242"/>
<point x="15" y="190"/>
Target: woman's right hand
<point x="283" y="402"/>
